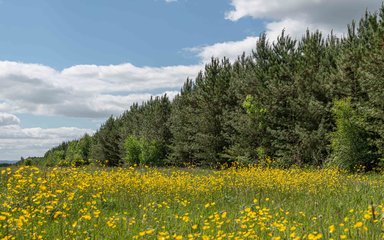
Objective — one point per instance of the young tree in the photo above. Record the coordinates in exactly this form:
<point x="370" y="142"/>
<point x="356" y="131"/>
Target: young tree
<point x="350" y="148"/>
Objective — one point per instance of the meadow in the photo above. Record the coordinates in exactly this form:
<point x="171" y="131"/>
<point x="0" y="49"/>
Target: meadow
<point x="174" y="203"/>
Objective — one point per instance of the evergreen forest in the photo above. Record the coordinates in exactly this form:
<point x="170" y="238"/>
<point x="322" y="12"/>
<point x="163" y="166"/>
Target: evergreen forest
<point x="314" y="101"/>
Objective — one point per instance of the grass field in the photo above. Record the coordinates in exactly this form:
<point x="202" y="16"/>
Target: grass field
<point x="145" y="203"/>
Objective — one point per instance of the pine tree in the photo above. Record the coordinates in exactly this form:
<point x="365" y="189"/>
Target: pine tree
<point x="182" y="126"/>
<point x="211" y="98"/>
<point x="372" y="80"/>
<point x="280" y="92"/>
<point x="311" y="105"/>
<point x="109" y="140"/>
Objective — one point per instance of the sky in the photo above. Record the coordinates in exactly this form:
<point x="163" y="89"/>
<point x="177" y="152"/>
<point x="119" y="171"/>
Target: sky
<point x="66" y="66"/>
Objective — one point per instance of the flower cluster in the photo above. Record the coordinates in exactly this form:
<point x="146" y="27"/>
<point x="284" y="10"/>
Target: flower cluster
<point x="146" y="203"/>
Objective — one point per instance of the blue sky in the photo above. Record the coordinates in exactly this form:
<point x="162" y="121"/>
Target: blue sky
<point x="65" y="66"/>
<point x="61" y="34"/>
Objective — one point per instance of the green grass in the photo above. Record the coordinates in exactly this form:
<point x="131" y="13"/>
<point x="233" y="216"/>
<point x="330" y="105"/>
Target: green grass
<point x="249" y="203"/>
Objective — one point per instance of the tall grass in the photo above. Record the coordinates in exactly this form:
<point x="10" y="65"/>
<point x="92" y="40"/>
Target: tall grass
<point x="246" y="203"/>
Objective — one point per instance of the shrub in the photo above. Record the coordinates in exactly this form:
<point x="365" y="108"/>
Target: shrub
<point x="142" y="152"/>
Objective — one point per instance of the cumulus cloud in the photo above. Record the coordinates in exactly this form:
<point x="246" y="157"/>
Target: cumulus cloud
<point x="7" y="119"/>
<point x="84" y="90"/>
<point x="16" y="142"/>
<point x="230" y="50"/>
<point x="87" y="91"/>
<point x="295" y="16"/>
<point x="58" y="134"/>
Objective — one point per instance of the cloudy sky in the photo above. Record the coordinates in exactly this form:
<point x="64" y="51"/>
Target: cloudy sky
<point x="65" y="66"/>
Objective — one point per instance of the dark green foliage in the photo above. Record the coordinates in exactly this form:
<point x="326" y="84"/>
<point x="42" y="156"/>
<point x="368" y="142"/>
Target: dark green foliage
<point x="372" y="80"/>
<point x="212" y="98"/>
<point x="310" y="103"/>
<point x="197" y="120"/>
<point x="281" y="91"/>
<point x="182" y="124"/>
<point x="108" y="140"/>
<point x="249" y="81"/>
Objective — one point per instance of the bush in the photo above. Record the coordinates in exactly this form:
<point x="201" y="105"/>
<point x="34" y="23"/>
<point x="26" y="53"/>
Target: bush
<point x="142" y="152"/>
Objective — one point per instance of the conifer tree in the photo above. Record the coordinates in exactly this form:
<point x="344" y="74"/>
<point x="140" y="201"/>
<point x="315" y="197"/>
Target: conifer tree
<point x="372" y="80"/>
<point x="212" y="98"/>
<point x="182" y="126"/>
<point x="109" y="140"/>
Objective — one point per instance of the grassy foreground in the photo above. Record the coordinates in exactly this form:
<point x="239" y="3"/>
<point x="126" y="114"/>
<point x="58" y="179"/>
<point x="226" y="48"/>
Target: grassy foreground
<point x="247" y="203"/>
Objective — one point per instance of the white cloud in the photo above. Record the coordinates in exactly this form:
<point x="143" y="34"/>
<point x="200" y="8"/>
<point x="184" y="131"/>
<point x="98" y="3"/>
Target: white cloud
<point x="88" y="91"/>
<point x="84" y="90"/>
<point x="51" y="134"/>
<point x="295" y="16"/>
<point x="170" y="1"/>
<point x="126" y="77"/>
<point x="16" y="141"/>
<point x="231" y="50"/>
<point x="294" y="28"/>
<point x="7" y="119"/>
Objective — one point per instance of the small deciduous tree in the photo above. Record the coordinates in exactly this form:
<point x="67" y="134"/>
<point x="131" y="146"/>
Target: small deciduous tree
<point x="141" y="151"/>
<point x="350" y="148"/>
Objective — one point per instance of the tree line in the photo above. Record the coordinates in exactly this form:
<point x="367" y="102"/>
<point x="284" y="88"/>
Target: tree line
<point x="314" y="101"/>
